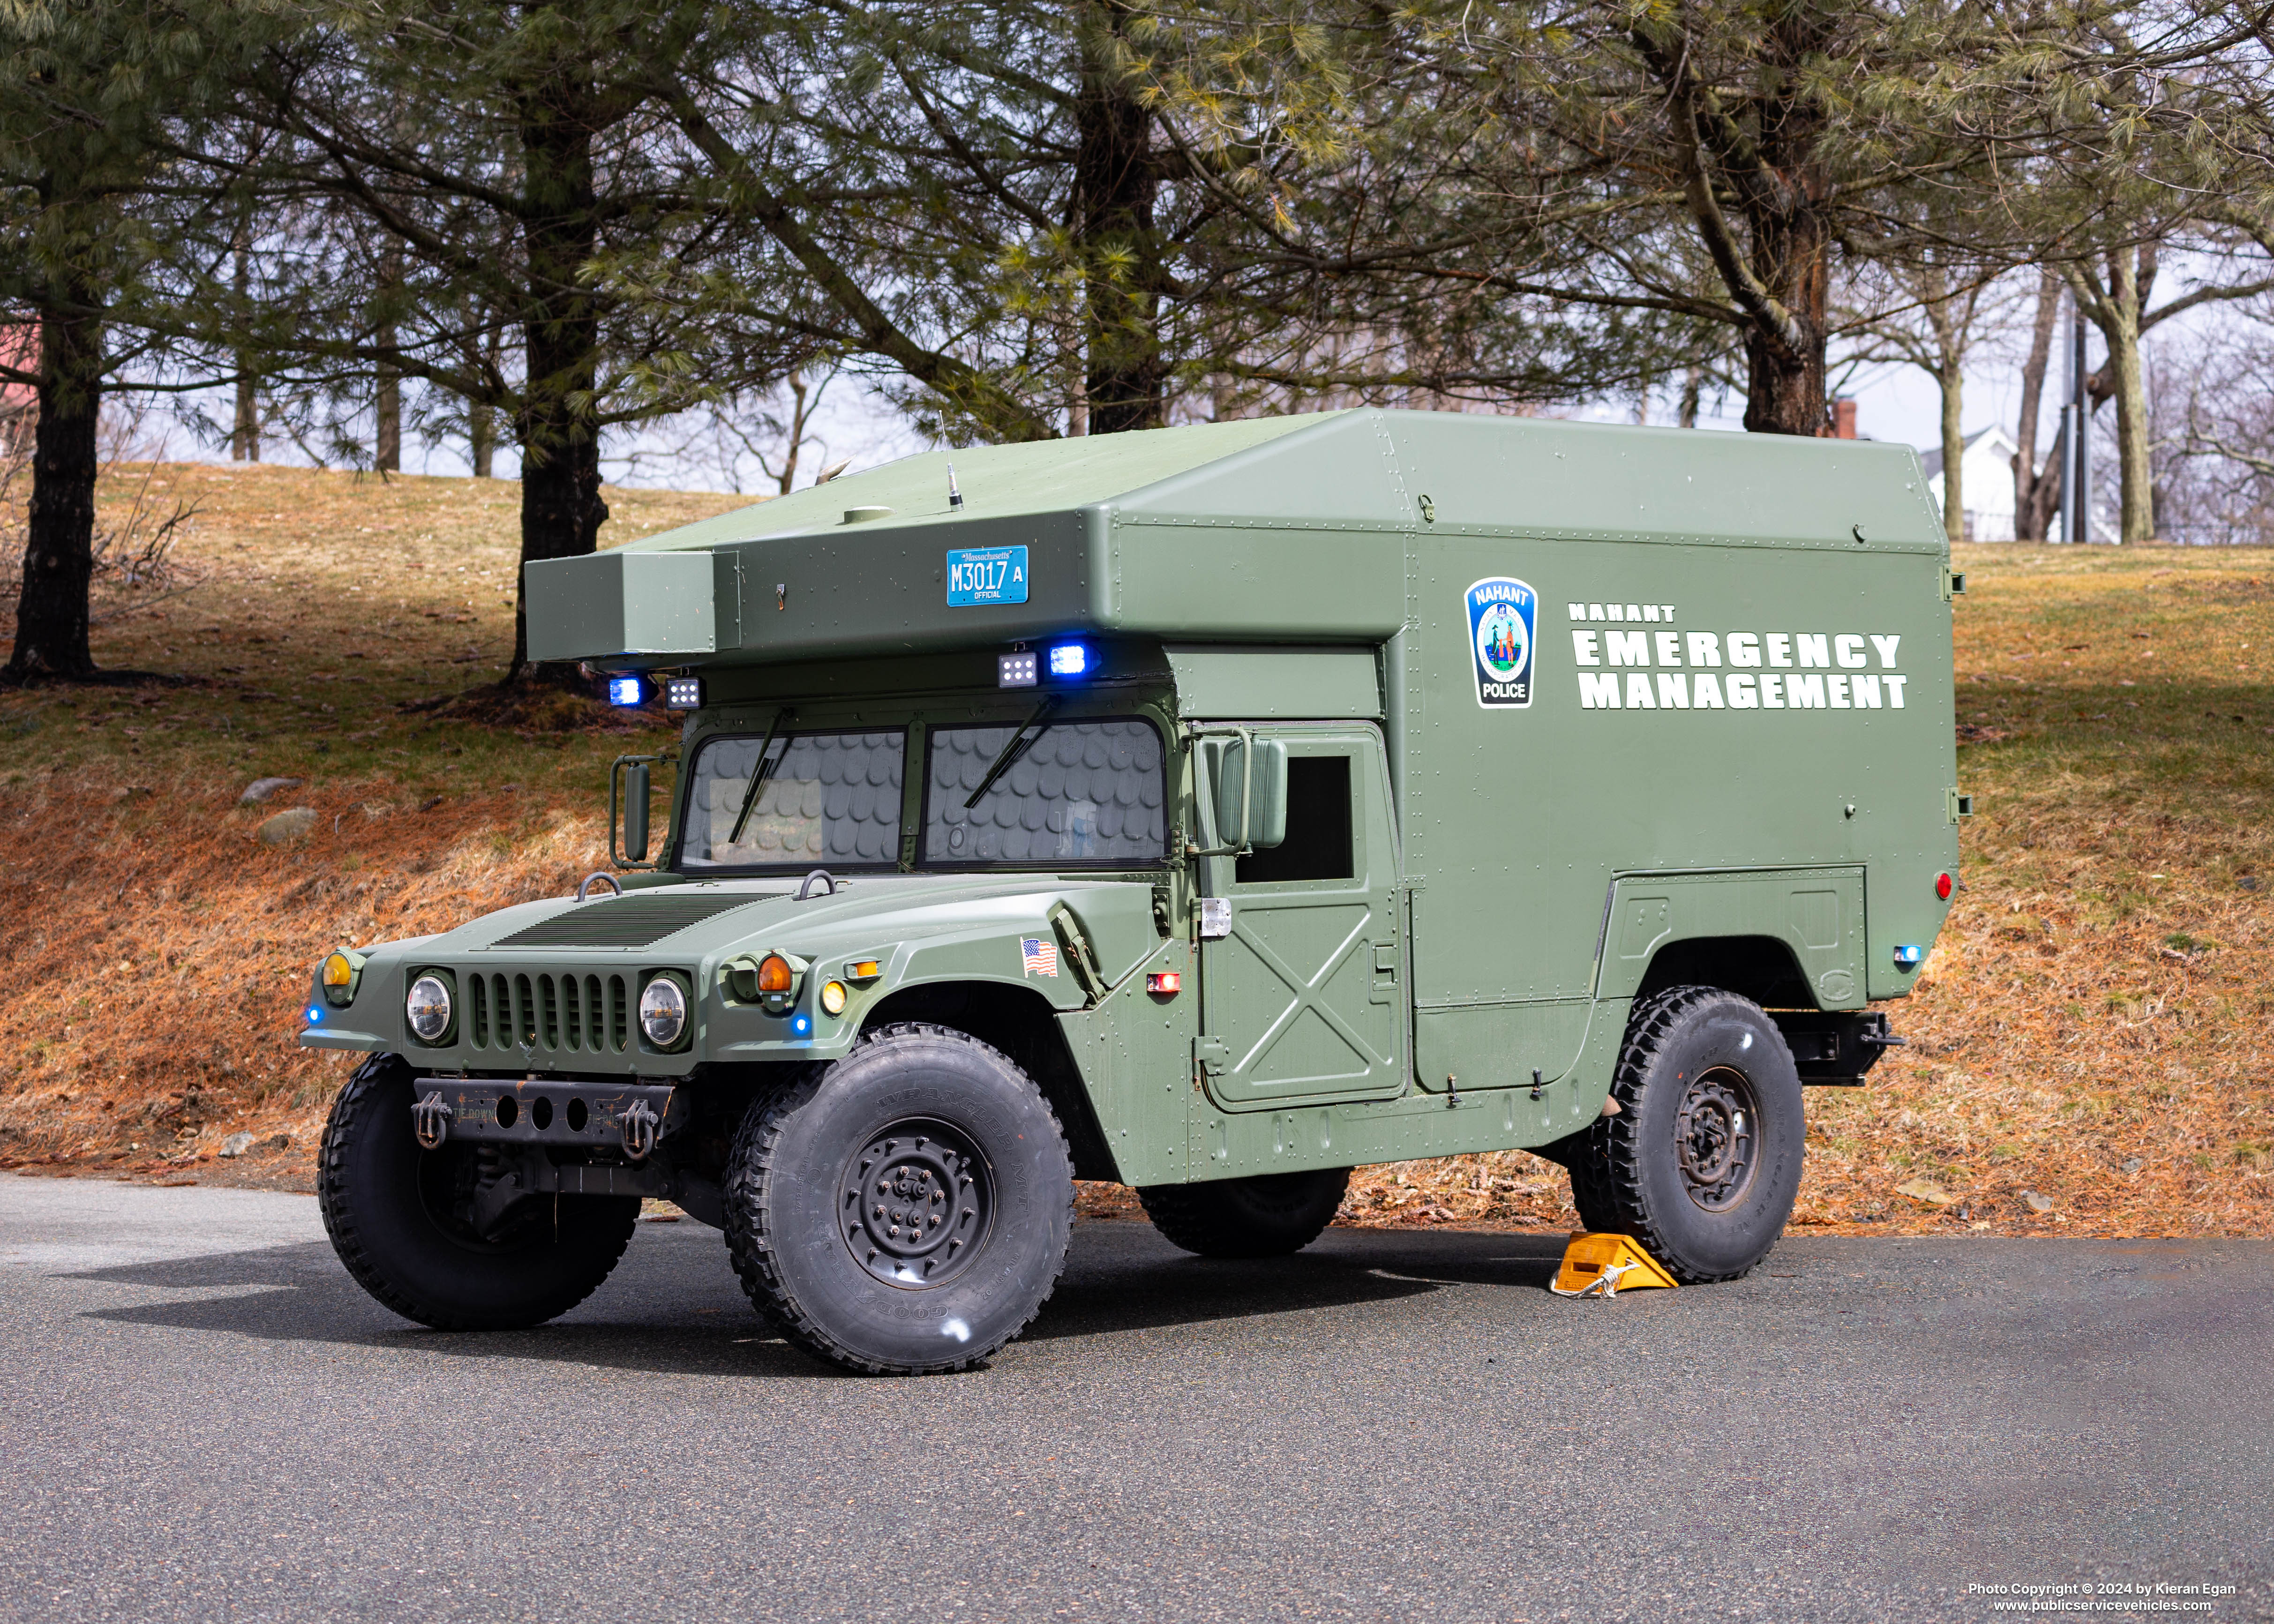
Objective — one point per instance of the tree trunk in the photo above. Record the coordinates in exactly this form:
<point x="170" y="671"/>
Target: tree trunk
<point x="2035" y="494"/>
<point x="387" y="393"/>
<point x="1952" y="379"/>
<point x="1777" y="269"/>
<point x="244" y="437"/>
<point x="481" y="439"/>
<point x="1115" y="182"/>
<point x="799" y="406"/>
<point x="2128" y="376"/>
<point x="560" y="508"/>
<point x="387" y="413"/>
<point x="51" y="609"/>
<point x="1949" y="328"/>
<point x="1693" y="388"/>
<point x="244" y="433"/>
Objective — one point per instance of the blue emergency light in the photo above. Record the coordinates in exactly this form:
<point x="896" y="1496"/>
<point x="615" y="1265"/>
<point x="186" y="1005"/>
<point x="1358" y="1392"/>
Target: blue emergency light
<point x="1907" y="957"/>
<point x="627" y="691"/>
<point x="1068" y="659"/>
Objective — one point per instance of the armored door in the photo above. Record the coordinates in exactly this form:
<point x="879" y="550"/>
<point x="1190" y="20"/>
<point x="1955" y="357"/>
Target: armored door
<point x="1303" y="991"/>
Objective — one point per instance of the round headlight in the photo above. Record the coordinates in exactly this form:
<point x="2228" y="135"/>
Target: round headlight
<point x="663" y="1011"/>
<point x="428" y="1008"/>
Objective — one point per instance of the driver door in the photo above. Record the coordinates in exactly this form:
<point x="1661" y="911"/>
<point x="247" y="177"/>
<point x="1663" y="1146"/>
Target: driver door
<point x="1302" y="997"/>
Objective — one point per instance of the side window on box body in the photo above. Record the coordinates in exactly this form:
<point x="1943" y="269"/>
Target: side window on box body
<point x="1318" y="846"/>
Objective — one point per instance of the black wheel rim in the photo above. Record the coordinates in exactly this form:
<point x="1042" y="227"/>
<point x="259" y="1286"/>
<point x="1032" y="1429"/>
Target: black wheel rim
<point x="918" y="1201"/>
<point x="1715" y="1134"/>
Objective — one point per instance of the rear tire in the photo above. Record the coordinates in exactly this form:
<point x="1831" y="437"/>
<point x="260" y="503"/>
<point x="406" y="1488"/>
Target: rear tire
<point x="1265" y="1216"/>
<point x="904" y="1210"/>
<point x="1703" y="1162"/>
<point x="388" y="1206"/>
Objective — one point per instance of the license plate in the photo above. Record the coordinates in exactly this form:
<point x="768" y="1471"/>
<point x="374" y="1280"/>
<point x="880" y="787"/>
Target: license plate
<point x="986" y="575"/>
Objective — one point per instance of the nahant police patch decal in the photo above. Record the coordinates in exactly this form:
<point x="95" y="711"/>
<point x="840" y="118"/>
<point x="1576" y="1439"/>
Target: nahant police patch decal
<point x="1503" y="614"/>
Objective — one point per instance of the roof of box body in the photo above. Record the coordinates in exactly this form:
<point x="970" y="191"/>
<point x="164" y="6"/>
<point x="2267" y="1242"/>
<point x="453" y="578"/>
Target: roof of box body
<point x="1268" y="529"/>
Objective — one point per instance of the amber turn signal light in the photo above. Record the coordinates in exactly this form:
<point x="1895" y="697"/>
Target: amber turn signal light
<point x="337" y="971"/>
<point x="774" y="973"/>
<point x="863" y="970"/>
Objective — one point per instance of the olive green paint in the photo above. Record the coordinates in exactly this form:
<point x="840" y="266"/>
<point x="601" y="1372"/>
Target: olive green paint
<point x="1521" y="867"/>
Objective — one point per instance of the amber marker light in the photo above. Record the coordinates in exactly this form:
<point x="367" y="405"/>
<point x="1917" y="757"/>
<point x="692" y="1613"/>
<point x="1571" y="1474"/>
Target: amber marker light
<point x="863" y="970"/>
<point x="1169" y="983"/>
<point x="338" y="978"/>
<point x="774" y="973"/>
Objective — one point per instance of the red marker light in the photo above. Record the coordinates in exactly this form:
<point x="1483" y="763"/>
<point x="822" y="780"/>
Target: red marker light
<point x="1942" y="886"/>
<point x="1169" y="982"/>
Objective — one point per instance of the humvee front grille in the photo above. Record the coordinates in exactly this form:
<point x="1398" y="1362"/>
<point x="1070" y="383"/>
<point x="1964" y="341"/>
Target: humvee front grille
<point x="559" y="1014"/>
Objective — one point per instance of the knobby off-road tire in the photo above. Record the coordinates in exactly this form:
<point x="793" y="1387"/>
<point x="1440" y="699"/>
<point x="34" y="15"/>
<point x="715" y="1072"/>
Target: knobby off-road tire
<point x="1702" y="1159"/>
<point x="904" y="1210"/>
<point x="1265" y="1216"/>
<point x="388" y="1208"/>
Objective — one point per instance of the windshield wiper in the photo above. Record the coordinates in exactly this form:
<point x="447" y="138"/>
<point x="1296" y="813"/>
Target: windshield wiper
<point x="758" y="777"/>
<point x="1018" y="744"/>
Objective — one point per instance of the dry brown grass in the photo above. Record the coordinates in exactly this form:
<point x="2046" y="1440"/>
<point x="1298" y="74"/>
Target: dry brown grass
<point x="156" y="953"/>
<point x="2091" y="1029"/>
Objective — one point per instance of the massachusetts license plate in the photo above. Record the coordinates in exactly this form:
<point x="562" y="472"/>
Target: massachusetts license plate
<point x="986" y="575"/>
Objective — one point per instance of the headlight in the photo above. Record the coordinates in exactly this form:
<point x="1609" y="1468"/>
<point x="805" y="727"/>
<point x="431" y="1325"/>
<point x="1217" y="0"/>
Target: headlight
<point x="663" y="1011"/>
<point x="428" y="1009"/>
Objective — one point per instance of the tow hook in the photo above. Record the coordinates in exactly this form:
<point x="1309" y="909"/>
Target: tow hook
<point x="638" y="1123"/>
<point x="430" y="1120"/>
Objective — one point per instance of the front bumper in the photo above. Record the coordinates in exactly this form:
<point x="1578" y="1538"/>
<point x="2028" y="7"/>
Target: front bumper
<point x="629" y="1118"/>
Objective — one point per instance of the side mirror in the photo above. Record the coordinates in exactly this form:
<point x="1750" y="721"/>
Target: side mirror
<point x="636" y="797"/>
<point x="1251" y="793"/>
<point x="627" y="813"/>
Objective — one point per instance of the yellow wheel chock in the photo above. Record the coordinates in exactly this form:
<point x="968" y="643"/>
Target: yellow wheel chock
<point x="1603" y="1265"/>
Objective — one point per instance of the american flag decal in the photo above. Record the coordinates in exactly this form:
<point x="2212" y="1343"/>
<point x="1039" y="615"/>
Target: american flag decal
<point x="1039" y="958"/>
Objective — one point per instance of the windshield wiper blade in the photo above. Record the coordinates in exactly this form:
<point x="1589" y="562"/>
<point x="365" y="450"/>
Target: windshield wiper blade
<point x="1017" y="745"/>
<point x="758" y="777"/>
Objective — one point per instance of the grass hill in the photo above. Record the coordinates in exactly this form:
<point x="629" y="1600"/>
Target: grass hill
<point x="2089" y="1047"/>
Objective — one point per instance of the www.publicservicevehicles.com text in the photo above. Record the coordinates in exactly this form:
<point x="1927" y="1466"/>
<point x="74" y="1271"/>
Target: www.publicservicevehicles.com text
<point x="2091" y="1597"/>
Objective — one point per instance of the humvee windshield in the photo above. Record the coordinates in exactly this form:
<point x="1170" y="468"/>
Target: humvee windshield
<point x="1080" y="792"/>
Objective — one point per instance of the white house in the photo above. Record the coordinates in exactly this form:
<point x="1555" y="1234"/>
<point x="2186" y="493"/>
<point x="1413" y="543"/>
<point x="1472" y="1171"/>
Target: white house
<point x="1985" y="482"/>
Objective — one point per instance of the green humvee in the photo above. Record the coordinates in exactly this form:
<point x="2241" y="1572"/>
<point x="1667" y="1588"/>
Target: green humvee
<point x="1213" y="810"/>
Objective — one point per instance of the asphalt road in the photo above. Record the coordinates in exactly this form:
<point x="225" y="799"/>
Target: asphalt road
<point x="205" y="1418"/>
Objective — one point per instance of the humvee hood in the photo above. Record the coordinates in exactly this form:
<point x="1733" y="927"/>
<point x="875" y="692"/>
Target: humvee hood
<point x="702" y="922"/>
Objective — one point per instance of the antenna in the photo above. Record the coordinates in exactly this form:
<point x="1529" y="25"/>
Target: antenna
<point x="955" y="496"/>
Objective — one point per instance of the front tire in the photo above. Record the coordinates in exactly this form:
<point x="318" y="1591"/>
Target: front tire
<point x="904" y="1210"/>
<point x="1702" y="1160"/>
<point x="1263" y="1215"/>
<point x="391" y="1210"/>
